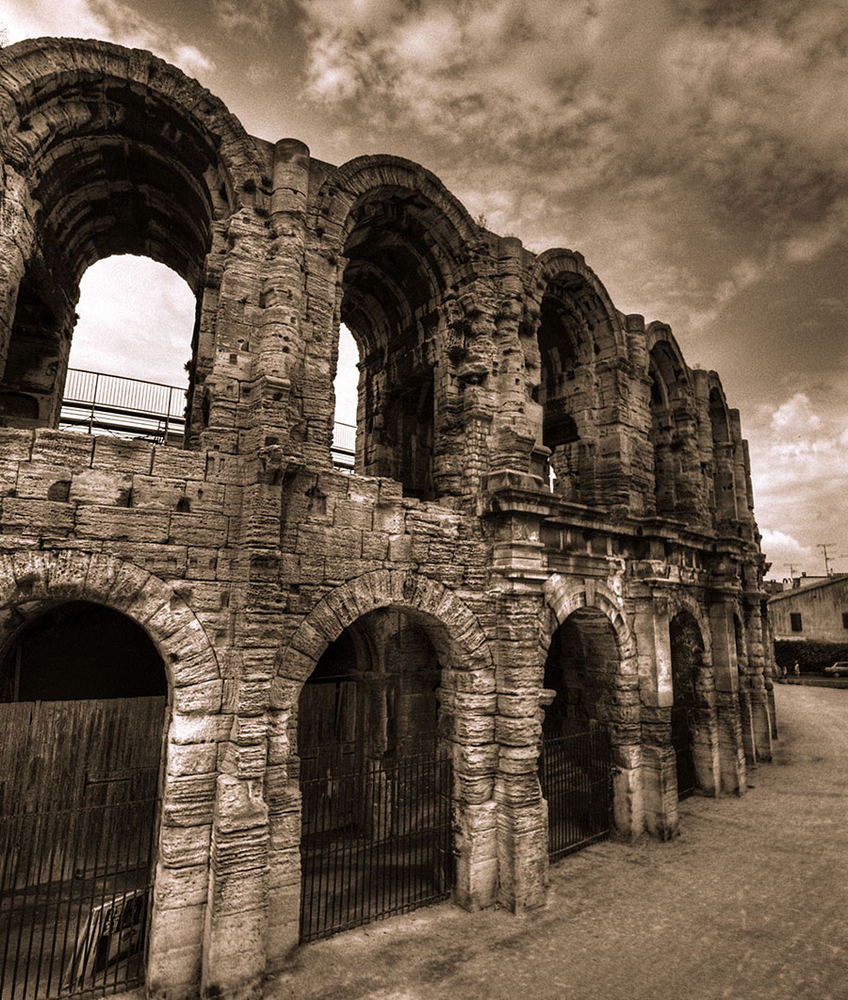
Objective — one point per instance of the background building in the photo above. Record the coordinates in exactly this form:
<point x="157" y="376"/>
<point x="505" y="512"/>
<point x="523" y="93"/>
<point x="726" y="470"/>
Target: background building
<point x="810" y="623"/>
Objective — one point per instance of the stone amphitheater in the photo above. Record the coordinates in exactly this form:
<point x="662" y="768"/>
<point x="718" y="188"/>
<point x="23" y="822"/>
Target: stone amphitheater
<point x="547" y="538"/>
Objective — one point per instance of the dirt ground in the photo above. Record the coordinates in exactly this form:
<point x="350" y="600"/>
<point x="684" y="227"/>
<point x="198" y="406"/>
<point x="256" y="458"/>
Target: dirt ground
<point x="750" y="902"/>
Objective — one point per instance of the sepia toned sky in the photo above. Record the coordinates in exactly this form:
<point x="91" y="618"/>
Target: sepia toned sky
<point x="695" y="152"/>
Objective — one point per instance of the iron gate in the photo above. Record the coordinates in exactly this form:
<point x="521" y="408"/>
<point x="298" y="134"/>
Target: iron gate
<point x="576" y="777"/>
<point x="376" y="837"/>
<point x="683" y="718"/>
<point x="75" y="890"/>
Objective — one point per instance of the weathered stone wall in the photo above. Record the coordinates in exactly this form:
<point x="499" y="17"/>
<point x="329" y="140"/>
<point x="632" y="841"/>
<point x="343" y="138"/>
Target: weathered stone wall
<point x="484" y="369"/>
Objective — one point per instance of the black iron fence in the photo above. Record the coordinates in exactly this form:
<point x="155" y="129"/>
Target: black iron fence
<point x="684" y="719"/>
<point x="576" y="776"/>
<point x="376" y="837"/>
<point x="75" y="889"/>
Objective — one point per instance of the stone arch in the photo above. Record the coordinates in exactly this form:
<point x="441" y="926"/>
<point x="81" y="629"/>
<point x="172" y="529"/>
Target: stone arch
<point x="462" y="634"/>
<point x="569" y="268"/>
<point x="34" y="71"/>
<point x="673" y="429"/>
<point x="564" y="597"/>
<point x="726" y="501"/>
<point x="678" y="601"/>
<point x="402" y="256"/>
<point x="694" y="720"/>
<point x="107" y="151"/>
<point x="581" y="345"/>
<point x="33" y="580"/>
<point x="467" y="693"/>
<point x="352" y="181"/>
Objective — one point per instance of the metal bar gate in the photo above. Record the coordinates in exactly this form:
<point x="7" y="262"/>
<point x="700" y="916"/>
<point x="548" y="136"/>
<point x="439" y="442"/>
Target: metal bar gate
<point x="75" y="889"/>
<point x="684" y="718"/>
<point x="576" y="777"/>
<point x="376" y="838"/>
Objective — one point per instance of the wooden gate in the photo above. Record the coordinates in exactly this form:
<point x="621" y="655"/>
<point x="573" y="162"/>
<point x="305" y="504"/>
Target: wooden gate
<point x="79" y="783"/>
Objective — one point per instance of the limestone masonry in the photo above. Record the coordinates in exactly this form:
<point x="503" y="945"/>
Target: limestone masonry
<point x="549" y="528"/>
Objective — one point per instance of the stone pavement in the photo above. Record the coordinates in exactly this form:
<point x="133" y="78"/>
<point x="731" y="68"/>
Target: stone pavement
<point x="750" y="902"/>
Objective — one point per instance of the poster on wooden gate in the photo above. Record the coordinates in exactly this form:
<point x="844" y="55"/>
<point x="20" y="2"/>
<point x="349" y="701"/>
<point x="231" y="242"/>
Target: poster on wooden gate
<point x="112" y="931"/>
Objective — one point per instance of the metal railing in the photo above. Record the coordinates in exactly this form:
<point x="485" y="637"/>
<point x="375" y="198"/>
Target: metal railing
<point x="130" y="407"/>
<point x="75" y="890"/>
<point x="125" y="406"/>
<point x="376" y="838"/>
<point x="576" y="777"/>
<point x="344" y="445"/>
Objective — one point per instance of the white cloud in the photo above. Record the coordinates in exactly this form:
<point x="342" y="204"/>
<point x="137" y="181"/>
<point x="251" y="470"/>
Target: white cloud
<point x="796" y="416"/>
<point x="783" y="550"/>
<point x="135" y="319"/>
<point x="110" y="20"/>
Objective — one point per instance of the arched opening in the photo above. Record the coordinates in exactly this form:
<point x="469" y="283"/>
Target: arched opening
<point x="687" y="651"/>
<point x="575" y="337"/>
<point x="392" y="287"/>
<point x="131" y="350"/>
<point x="345" y="388"/>
<point x="723" y="473"/>
<point x="677" y="466"/>
<point x="575" y="764"/>
<point x="116" y="169"/>
<point x="374" y="776"/>
<point x="83" y="700"/>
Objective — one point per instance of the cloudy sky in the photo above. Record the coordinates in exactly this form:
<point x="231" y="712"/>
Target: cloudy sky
<point x="695" y="151"/>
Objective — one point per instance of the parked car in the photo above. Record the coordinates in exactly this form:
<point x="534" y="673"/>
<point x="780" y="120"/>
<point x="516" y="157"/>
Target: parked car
<point x="837" y="669"/>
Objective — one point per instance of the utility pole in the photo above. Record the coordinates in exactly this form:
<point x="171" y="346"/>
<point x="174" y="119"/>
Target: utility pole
<point x="823" y="546"/>
<point x="791" y="568"/>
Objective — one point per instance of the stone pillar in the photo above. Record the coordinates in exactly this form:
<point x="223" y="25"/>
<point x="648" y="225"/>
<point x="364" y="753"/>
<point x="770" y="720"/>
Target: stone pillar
<point x="522" y="816"/>
<point x="236" y="908"/>
<point x="283" y="797"/>
<point x="706" y="736"/>
<point x="517" y="423"/>
<point x="467" y="721"/>
<point x="760" y="716"/>
<point x="224" y="398"/>
<point x="17" y="239"/>
<point x="726" y="673"/>
<point x="182" y="865"/>
<point x="234" y="960"/>
<point x="658" y="762"/>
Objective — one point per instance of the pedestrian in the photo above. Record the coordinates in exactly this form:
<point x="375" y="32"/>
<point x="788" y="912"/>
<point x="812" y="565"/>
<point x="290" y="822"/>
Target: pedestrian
<point x="783" y="671"/>
<point x="796" y="669"/>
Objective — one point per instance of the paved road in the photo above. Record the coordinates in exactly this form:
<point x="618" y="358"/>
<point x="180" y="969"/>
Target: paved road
<point x="749" y="903"/>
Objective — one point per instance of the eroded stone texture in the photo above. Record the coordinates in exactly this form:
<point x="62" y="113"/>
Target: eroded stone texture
<point x="545" y="494"/>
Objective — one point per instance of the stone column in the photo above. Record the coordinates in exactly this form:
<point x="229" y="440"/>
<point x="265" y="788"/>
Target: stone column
<point x="658" y="762"/>
<point x="761" y="724"/>
<point x="517" y="423"/>
<point x="17" y="240"/>
<point x="726" y="673"/>
<point x="467" y="724"/>
<point x="236" y="907"/>
<point x="522" y="816"/>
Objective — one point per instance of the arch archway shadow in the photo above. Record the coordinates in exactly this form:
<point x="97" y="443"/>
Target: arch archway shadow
<point x="83" y="702"/>
<point x="375" y="779"/>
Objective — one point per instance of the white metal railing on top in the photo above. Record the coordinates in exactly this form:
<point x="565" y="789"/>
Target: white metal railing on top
<point x="138" y="408"/>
